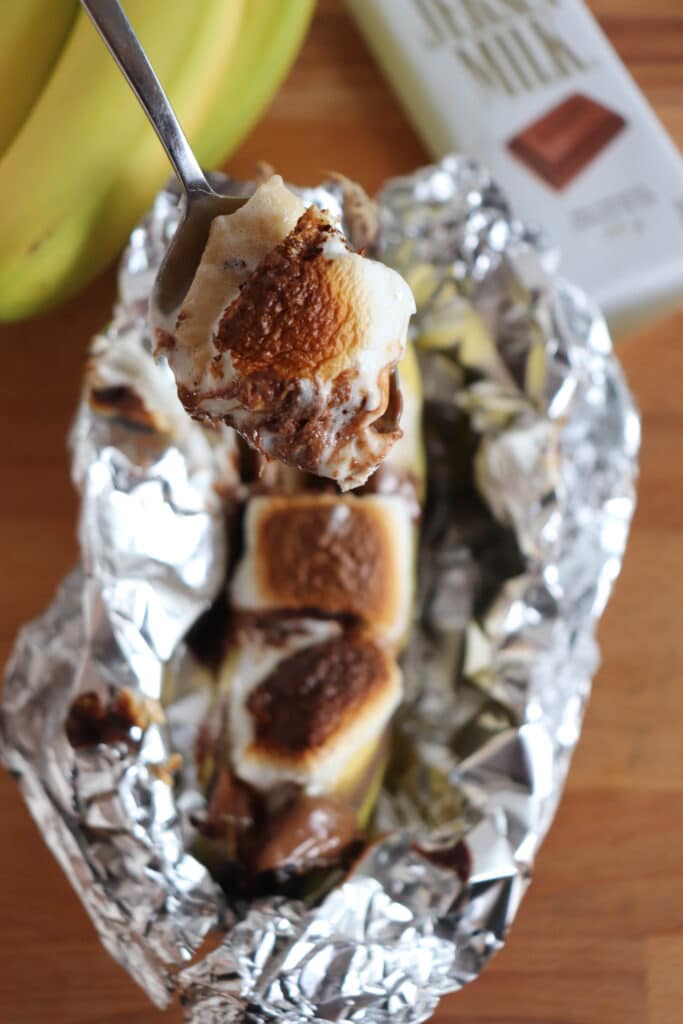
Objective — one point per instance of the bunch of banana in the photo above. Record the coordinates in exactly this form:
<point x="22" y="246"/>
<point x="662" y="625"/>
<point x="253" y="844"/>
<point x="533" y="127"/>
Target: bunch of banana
<point x="37" y="28"/>
<point x="79" y="163"/>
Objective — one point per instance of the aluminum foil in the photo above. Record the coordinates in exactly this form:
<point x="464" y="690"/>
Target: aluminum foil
<point x="532" y="439"/>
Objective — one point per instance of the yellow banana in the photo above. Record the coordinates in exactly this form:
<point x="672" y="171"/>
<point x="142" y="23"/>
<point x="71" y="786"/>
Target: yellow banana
<point x="85" y="164"/>
<point x="59" y="168"/>
<point x="32" y="33"/>
<point x="270" y="35"/>
<point x="408" y="454"/>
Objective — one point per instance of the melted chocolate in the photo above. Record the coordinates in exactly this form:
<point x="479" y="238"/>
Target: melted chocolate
<point x="311" y="831"/>
<point x="208" y="637"/>
<point x="456" y="858"/>
<point x="388" y="423"/>
<point x="250" y="848"/>
<point x="233" y="809"/>
<point x="91" y="722"/>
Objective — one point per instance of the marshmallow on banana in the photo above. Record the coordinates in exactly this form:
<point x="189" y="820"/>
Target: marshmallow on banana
<point x="344" y="556"/>
<point x="323" y="597"/>
<point x="289" y="336"/>
<point x="309" y="702"/>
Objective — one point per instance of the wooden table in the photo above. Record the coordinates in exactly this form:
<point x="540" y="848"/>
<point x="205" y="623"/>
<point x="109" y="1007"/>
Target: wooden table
<point x="599" y="939"/>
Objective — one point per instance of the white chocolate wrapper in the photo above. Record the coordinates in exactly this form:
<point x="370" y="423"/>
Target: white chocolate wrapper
<point x="532" y="441"/>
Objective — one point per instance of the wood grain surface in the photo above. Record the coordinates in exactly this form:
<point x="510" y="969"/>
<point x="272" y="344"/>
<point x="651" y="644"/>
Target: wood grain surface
<point x="599" y="939"/>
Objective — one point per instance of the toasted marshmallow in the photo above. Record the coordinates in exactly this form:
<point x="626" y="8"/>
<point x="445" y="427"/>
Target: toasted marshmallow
<point x="345" y="556"/>
<point x="290" y="337"/>
<point x="306" y="708"/>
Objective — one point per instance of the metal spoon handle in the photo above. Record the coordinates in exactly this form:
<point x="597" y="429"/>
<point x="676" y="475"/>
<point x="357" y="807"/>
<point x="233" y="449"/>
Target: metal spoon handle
<point x="124" y="46"/>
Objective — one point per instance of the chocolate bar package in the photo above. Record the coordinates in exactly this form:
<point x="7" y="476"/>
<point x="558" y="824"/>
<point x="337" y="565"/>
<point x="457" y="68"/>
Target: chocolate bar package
<point x="534" y="90"/>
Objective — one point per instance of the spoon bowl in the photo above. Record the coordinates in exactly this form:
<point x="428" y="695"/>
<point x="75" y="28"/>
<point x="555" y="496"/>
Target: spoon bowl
<point x="178" y="266"/>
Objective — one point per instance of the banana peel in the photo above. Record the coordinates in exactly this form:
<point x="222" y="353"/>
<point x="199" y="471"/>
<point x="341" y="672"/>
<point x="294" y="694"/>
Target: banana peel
<point x="32" y="37"/>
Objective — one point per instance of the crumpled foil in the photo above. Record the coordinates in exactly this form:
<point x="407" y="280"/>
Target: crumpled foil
<point x="532" y="439"/>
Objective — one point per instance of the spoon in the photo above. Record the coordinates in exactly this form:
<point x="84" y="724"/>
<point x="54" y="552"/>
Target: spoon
<point x="202" y="202"/>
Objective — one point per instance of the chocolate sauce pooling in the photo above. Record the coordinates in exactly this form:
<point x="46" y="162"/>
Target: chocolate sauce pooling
<point x="312" y="831"/>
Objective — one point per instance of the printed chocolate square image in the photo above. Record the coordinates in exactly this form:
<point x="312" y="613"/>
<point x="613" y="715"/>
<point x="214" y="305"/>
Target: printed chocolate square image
<point x="564" y="141"/>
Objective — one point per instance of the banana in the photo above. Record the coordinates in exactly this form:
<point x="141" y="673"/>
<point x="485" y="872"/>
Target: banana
<point x="408" y="454"/>
<point x="235" y="842"/>
<point x="85" y="164"/>
<point x="59" y="169"/>
<point x="32" y="35"/>
<point x="270" y="35"/>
